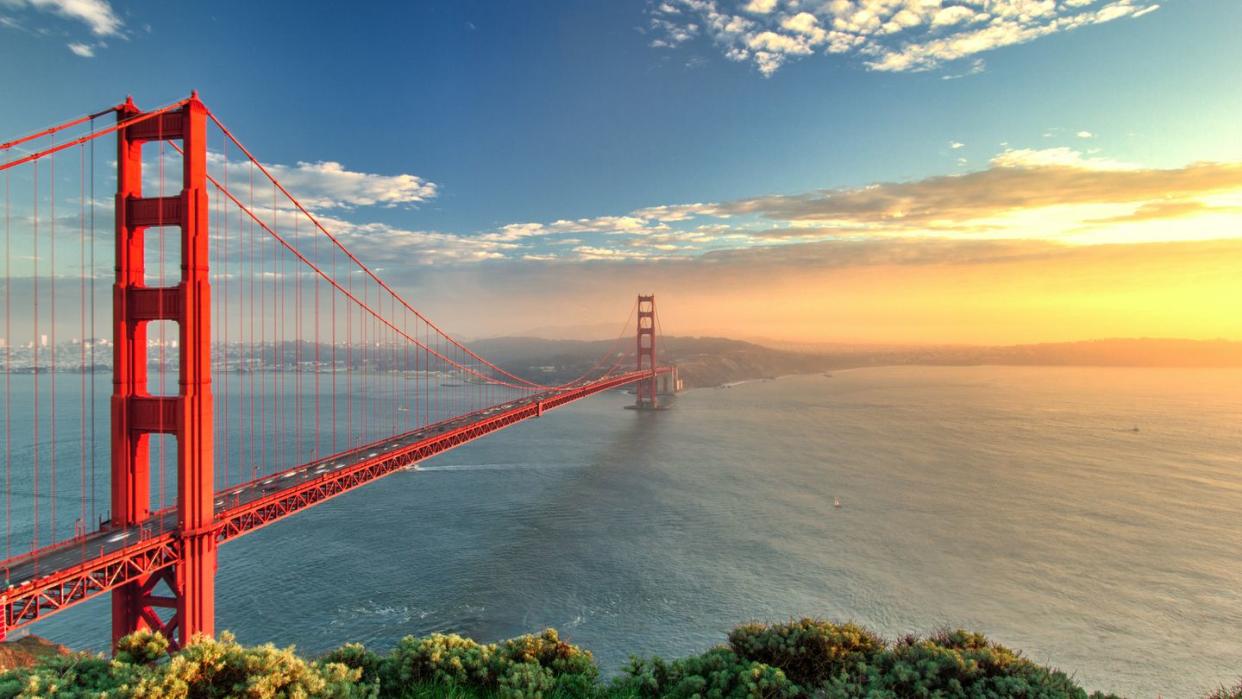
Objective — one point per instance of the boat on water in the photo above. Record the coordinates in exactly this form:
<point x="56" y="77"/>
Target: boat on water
<point x="836" y="501"/>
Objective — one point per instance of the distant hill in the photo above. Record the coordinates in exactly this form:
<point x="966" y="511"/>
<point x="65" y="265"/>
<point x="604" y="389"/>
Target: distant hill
<point x="711" y="361"/>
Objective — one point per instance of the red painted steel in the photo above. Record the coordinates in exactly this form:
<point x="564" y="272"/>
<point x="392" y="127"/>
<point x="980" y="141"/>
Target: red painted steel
<point x="105" y="573"/>
<point x="645" y="353"/>
<point x="135" y="414"/>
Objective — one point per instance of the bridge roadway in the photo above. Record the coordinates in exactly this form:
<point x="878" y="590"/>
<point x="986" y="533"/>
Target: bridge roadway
<point x="51" y="579"/>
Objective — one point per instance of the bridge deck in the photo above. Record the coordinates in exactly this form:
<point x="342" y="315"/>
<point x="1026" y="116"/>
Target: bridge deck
<point x="52" y="579"/>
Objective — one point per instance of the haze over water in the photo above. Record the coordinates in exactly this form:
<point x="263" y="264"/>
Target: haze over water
<point x="1016" y="501"/>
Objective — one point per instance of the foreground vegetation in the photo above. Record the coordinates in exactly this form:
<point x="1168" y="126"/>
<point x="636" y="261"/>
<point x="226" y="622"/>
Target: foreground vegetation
<point x="807" y="658"/>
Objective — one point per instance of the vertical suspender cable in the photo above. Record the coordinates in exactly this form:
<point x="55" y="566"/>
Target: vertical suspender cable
<point x="37" y="369"/>
<point x="81" y="526"/>
<point x="94" y="518"/>
<point x="52" y="344"/>
<point x="8" y="363"/>
<point x="223" y="218"/>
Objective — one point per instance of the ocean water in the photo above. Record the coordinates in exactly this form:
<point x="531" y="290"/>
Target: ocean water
<point x="1016" y="501"/>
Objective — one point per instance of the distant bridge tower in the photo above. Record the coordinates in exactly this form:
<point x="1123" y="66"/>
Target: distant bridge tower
<point x="646" y="354"/>
<point x="188" y="608"/>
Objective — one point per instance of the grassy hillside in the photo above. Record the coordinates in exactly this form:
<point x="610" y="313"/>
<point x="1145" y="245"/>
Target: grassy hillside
<point x="806" y="658"/>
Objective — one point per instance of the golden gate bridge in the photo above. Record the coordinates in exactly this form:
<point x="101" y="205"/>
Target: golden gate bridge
<point x="326" y="377"/>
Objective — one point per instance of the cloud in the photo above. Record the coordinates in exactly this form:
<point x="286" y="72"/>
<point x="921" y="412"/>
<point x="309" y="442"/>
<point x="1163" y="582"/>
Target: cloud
<point x="1017" y="182"/>
<point x="1162" y="210"/>
<point x="956" y="145"/>
<point x="83" y="50"/>
<point x="382" y="244"/>
<point x="887" y="35"/>
<point x="1085" y="134"/>
<point x="1055" y="195"/>
<point x="976" y="67"/>
<point x="1043" y="157"/>
<point x="98" y="15"/>
<point x="761" y="7"/>
<point x="590" y="252"/>
<point x="328" y="184"/>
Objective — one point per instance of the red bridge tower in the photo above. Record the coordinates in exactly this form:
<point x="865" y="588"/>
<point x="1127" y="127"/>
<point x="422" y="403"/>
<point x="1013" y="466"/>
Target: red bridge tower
<point x="188" y="608"/>
<point x="646" y="353"/>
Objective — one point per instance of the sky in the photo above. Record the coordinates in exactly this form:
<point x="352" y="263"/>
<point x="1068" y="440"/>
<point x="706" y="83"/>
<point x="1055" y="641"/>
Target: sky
<point x="895" y="171"/>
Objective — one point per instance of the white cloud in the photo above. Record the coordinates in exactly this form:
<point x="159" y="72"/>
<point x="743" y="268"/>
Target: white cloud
<point x="83" y="50"/>
<point x="955" y="145"/>
<point x="327" y="184"/>
<point x="887" y="35"/>
<point x="380" y="243"/>
<point x="96" y="14"/>
<point x="976" y="67"/>
<point x="1085" y="134"/>
<point x="590" y="252"/>
<point x="803" y="23"/>
<point x="1056" y="157"/>
<point x="955" y="14"/>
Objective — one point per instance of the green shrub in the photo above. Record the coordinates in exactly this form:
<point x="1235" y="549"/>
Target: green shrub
<point x="438" y="659"/>
<point x="807" y="658"/>
<point x="810" y="652"/>
<point x="143" y="647"/>
<point x="357" y="657"/>
<point x="960" y="664"/>
<point x="211" y="669"/>
<point x="716" y="674"/>
<point x="571" y="669"/>
<point x="527" y="666"/>
<point x="75" y="676"/>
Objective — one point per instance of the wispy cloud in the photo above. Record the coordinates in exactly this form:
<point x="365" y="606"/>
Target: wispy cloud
<point x="887" y="35"/>
<point x="327" y="184"/>
<point x="1052" y="195"/>
<point x="1017" y="182"/>
<point x="330" y="184"/>
<point x="98" y="16"/>
<point x="383" y="244"/>
<point x="1057" y="195"/>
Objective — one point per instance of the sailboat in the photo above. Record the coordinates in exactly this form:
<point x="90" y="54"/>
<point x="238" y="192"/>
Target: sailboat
<point x="836" y="501"/>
